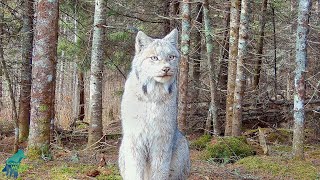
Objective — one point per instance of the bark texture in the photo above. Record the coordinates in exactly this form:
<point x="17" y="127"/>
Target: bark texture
<point x="260" y="43"/>
<point x="212" y="74"/>
<point x="232" y="64"/>
<point x="81" y="96"/>
<point x="240" y="74"/>
<point x="299" y="78"/>
<point x="96" y="71"/>
<point x="43" y="76"/>
<point x="184" y="65"/>
<point x="25" y="91"/>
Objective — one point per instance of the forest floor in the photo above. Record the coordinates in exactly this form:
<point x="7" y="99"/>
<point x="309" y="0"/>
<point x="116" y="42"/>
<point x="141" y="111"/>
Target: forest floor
<point x="71" y="160"/>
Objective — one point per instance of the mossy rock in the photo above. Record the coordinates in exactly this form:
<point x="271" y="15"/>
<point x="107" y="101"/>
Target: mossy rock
<point x="228" y="149"/>
<point x="201" y="142"/>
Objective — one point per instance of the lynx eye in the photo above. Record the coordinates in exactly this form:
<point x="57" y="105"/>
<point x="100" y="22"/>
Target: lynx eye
<point x="171" y="57"/>
<point x="154" y="58"/>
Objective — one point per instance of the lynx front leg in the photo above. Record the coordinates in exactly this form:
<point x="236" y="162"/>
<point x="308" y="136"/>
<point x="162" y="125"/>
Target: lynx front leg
<point x="131" y="161"/>
<point x="180" y="162"/>
<point x="160" y="158"/>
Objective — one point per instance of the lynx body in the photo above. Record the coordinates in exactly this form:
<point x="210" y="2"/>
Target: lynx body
<point x="152" y="147"/>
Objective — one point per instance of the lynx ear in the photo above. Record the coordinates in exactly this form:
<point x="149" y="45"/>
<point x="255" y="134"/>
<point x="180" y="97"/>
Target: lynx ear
<point x="142" y="40"/>
<point x="172" y="37"/>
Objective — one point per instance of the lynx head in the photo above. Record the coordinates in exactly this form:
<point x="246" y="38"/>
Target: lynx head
<point x="156" y="60"/>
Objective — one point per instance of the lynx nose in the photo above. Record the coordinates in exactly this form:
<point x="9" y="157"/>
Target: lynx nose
<point x="166" y="69"/>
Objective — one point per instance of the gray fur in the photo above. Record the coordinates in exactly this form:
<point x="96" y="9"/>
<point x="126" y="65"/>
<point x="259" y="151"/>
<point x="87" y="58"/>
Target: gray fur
<point x="152" y="147"/>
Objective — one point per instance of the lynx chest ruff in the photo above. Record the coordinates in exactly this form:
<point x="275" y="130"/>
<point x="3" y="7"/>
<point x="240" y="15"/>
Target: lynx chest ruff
<point x="152" y="147"/>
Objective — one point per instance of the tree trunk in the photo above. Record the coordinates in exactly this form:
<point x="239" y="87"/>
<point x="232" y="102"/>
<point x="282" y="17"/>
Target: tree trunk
<point x="240" y="74"/>
<point x="0" y="89"/>
<point x="184" y="64"/>
<point x="232" y="64"/>
<point x="97" y="58"/>
<point x="299" y="79"/>
<point x="197" y="56"/>
<point x="274" y="51"/>
<point x="43" y="77"/>
<point x="260" y="43"/>
<point x="212" y="74"/>
<point x="81" y="96"/>
<point x="75" y="90"/>
<point x="4" y="69"/>
<point x="1" y="73"/>
<point x="25" y="91"/>
<point x="59" y="88"/>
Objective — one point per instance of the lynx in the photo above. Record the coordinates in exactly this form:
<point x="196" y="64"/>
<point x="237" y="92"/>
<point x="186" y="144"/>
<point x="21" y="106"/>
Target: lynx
<point x="152" y="147"/>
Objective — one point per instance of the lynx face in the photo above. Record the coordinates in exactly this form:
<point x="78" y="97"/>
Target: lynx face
<point x="156" y="59"/>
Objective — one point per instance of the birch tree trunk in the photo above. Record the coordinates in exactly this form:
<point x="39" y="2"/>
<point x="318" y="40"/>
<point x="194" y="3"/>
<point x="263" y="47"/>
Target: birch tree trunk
<point x="260" y="43"/>
<point x="299" y="79"/>
<point x="240" y="74"/>
<point x="184" y="64"/>
<point x="25" y="91"/>
<point x="232" y="64"/>
<point x="43" y="77"/>
<point x="212" y="74"/>
<point x="4" y="69"/>
<point x="97" y="57"/>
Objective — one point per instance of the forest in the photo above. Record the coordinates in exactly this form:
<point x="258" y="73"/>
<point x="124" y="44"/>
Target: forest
<point x="248" y="85"/>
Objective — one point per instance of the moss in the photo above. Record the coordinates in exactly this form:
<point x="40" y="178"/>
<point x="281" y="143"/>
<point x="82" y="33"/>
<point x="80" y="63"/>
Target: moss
<point x="254" y="163"/>
<point x="282" y="148"/>
<point x="82" y="125"/>
<point x="23" y="168"/>
<point x="35" y="152"/>
<point x="279" y="167"/>
<point x="63" y="172"/>
<point x="43" y="108"/>
<point x="315" y="153"/>
<point x="282" y="136"/>
<point x="112" y="173"/>
<point x="228" y="149"/>
<point x="201" y="142"/>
